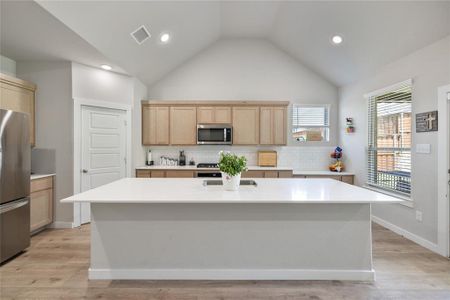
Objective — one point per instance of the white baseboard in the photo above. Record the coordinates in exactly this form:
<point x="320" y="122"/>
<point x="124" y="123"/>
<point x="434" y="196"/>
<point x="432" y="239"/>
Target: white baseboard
<point x="230" y="274"/>
<point x="410" y="236"/>
<point x="61" y="225"/>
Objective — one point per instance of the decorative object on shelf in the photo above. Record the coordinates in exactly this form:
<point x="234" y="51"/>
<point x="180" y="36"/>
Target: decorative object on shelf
<point x="337" y="166"/>
<point x="192" y="162"/>
<point x="350" y="128"/>
<point x="182" y="158"/>
<point x="231" y="167"/>
<point x="427" y="121"/>
<point x="149" y="161"/>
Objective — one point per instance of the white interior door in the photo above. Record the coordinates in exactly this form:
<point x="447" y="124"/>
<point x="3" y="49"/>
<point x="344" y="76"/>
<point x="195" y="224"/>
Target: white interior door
<point x="103" y="149"/>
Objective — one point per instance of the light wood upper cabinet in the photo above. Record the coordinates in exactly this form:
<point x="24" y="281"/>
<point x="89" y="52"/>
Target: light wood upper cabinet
<point x="155" y="125"/>
<point x="213" y="114"/>
<point x="175" y="122"/>
<point x="246" y="125"/>
<point x="205" y="114"/>
<point x="19" y="95"/>
<point x="266" y="131"/>
<point x="273" y="126"/>
<point x="222" y="114"/>
<point x="183" y="125"/>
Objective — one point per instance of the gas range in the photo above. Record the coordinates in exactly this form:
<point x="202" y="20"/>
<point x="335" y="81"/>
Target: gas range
<point x="208" y="165"/>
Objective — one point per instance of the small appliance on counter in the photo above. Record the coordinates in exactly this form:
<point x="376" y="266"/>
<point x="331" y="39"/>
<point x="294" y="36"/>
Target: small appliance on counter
<point x="149" y="161"/>
<point x="182" y="159"/>
<point x="267" y="158"/>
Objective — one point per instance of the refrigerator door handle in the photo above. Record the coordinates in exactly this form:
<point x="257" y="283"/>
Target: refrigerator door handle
<point x="10" y="206"/>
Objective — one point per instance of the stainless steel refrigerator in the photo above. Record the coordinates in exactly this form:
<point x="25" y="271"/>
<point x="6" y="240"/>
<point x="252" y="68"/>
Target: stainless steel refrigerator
<point x="15" y="164"/>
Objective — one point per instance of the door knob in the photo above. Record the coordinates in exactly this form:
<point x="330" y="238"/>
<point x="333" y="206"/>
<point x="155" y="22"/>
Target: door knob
<point x="84" y="171"/>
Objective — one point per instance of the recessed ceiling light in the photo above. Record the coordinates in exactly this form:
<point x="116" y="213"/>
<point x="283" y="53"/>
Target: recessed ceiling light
<point x="336" y="39"/>
<point x="106" y="67"/>
<point x="164" y="38"/>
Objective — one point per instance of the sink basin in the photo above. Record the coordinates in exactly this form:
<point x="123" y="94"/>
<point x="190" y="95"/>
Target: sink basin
<point x="219" y="182"/>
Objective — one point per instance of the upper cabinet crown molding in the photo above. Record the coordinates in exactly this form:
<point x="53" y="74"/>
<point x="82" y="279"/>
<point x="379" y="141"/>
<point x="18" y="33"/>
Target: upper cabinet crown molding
<point x="215" y="103"/>
<point x="19" y="95"/>
<point x="17" y="82"/>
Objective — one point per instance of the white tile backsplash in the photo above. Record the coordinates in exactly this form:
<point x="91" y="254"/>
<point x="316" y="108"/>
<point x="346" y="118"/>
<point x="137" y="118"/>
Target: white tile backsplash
<point x="298" y="158"/>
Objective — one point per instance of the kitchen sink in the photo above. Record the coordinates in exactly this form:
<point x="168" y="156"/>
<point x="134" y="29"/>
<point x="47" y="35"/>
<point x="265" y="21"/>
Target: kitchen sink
<point x="211" y="182"/>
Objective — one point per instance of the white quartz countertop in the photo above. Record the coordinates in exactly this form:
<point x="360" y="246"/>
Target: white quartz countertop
<point x="194" y="168"/>
<point x="192" y="190"/>
<point x="38" y="176"/>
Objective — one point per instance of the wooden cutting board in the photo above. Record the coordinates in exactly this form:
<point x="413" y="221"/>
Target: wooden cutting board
<point x="267" y="158"/>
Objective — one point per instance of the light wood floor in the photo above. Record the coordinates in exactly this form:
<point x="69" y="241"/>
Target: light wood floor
<point x="55" y="267"/>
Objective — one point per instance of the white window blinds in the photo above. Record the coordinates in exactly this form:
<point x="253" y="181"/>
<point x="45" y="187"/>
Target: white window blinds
<point x="390" y="130"/>
<point x="310" y="122"/>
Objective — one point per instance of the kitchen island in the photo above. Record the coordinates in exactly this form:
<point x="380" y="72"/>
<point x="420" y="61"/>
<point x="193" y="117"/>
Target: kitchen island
<point x="281" y="229"/>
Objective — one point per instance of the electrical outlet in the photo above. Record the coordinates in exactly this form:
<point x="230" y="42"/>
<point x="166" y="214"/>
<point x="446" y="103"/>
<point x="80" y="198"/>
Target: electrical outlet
<point x="418" y="216"/>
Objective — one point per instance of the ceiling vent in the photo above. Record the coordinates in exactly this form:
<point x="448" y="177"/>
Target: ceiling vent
<point x="140" y="35"/>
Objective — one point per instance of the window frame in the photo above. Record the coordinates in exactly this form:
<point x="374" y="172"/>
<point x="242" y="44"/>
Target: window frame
<point x="327" y="138"/>
<point x="374" y="136"/>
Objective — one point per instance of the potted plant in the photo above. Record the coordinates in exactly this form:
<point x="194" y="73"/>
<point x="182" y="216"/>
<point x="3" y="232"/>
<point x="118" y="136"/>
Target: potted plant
<point x="231" y="167"/>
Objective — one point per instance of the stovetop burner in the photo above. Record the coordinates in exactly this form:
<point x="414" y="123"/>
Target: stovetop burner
<point x="207" y="165"/>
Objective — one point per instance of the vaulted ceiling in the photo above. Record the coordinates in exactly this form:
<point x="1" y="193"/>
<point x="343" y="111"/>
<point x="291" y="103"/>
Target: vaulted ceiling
<point x="375" y="33"/>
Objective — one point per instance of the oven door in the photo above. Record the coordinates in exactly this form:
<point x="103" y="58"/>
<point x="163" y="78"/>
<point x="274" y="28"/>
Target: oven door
<point x="214" y="134"/>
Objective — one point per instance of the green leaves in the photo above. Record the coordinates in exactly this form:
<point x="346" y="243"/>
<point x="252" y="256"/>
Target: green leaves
<point x="231" y="163"/>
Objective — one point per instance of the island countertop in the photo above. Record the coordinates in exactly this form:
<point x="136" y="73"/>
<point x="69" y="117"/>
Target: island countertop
<point x="192" y="190"/>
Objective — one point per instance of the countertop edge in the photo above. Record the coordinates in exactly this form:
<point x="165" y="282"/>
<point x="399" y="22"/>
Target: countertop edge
<point x="39" y="176"/>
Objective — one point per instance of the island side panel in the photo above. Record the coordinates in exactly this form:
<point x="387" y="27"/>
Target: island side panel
<point x="231" y="241"/>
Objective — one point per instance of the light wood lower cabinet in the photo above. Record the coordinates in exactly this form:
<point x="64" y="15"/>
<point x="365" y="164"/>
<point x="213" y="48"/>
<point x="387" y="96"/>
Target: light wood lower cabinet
<point x="192" y="174"/>
<point x="267" y="174"/>
<point x="41" y="203"/>
<point x="164" y="173"/>
<point x="157" y="174"/>
<point x="344" y="178"/>
<point x="142" y="173"/>
<point x="19" y="95"/>
<point x="180" y="174"/>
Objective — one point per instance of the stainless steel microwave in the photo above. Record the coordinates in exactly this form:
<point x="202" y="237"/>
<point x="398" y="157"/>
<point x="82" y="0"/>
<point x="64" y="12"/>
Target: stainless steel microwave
<point x="214" y="134"/>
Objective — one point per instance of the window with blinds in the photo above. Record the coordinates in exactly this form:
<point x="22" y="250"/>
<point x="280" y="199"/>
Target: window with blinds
<point x="310" y="123"/>
<point x="390" y="130"/>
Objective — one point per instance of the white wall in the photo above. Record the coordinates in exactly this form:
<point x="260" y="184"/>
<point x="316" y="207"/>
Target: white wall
<point x="248" y="69"/>
<point x="54" y="130"/>
<point x="429" y="68"/>
<point x="7" y="66"/>
<point x="139" y="93"/>
<point x="98" y="84"/>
